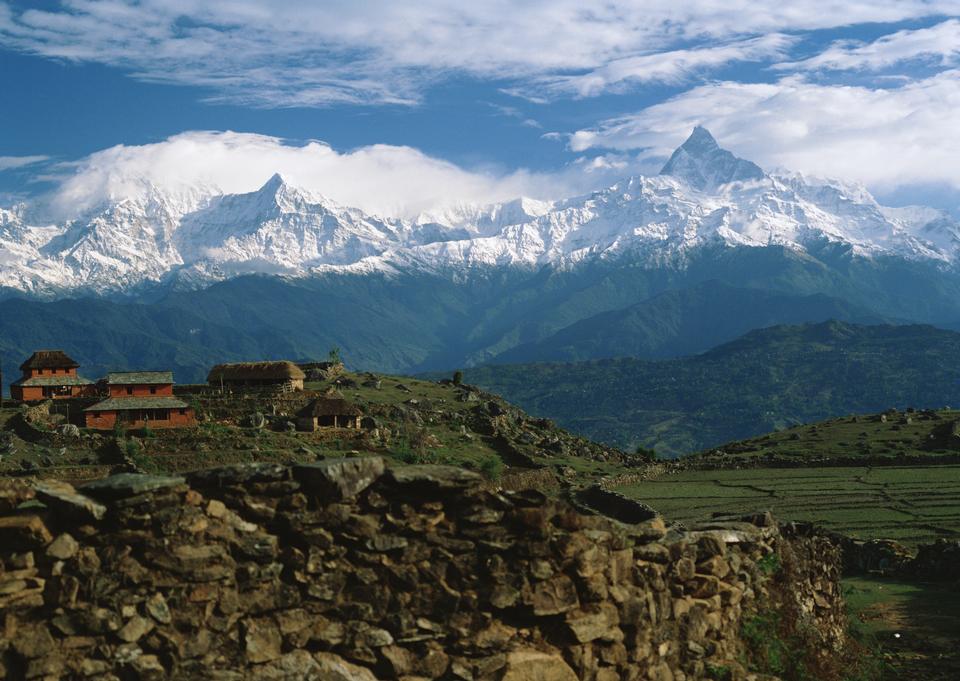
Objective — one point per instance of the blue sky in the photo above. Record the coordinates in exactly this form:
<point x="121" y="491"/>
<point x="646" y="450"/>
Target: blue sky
<point x="477" y="102"/>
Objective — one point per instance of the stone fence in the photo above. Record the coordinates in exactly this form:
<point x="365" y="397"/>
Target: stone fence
<point x="349" y="570"/>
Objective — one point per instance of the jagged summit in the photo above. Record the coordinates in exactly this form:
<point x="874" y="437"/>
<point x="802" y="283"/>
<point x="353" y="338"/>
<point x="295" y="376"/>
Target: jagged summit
<point x="704" y="165"/>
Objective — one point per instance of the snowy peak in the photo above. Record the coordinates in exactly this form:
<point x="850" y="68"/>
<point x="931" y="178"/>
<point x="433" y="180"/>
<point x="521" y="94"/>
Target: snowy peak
<point x="704" y="165"/>
<point x="705" y="197"/>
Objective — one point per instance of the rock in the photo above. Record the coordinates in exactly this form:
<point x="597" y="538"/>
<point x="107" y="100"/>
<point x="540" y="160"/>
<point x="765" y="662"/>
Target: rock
<point x="257" y="420"/>
<point x="434" y="477"/>
<point x="33" y="641"/>
<point x="147" y="668"/>
<point x="597" y="622"/>
<point x="135" y="629"/>
<point x="238" y="474"/>
<point x="554" y="596"/>
<point x="262" y="640"/>
<point x="532" y="665"/>
<point x="335" y="668"/>
<point x="156" y="606"/>
<point x="23" y="532"/>
<point x="13" y="493"/>
<point x="63" y="547"/>
<point x="68" y="430"/>
<point x="127" y="485"/>
<point x="339" y="479"/>
<point x="63" y="498"/>
<point x="297" y="665"/>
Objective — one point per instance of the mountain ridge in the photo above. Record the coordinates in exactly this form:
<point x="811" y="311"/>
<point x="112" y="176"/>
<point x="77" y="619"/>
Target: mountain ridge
<point x="705" y="196"/>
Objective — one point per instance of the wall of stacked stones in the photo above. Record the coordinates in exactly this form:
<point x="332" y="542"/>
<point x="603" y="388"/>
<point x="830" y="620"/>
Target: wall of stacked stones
<point x="347" y="570"/>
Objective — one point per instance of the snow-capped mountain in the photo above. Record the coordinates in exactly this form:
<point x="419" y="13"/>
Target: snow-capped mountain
<point x="704" y="196"/>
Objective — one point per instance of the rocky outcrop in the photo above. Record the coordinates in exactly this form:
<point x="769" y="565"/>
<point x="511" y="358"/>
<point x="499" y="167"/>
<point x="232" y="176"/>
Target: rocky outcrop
<point x="348" y="569"/>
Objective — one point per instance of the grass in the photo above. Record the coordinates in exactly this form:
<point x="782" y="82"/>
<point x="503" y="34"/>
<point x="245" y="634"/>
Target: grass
<point x="911" y="504"/>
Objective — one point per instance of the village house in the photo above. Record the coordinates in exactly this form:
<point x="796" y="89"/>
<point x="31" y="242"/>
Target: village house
<point x="329" y="412"/>
<point x="137" y="399"/>
<point x="50" y="374"/>
<point x="278" y="376"/>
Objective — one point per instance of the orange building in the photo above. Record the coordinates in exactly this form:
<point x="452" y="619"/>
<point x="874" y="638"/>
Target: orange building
<point x="137" y="399"/>
<point x="50" y="374"/>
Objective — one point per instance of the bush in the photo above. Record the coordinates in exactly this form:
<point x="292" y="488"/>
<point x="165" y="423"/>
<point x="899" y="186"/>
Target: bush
<point x="646" y="454"/>
<point x="458" y="377"/>
<point x="491" y="466"/>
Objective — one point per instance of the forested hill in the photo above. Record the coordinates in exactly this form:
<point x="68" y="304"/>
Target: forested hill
<point x="765" y="380"/>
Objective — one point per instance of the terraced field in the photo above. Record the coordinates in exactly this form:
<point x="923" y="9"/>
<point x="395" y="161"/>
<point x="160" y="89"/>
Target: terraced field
<point x="913" y="504"/>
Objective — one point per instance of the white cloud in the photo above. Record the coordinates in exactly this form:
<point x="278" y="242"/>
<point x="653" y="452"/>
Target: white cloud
<point x="939" y="45"/>
<point x="380" y="179"/>
<point x="11" y="162"/>
<point x="305" y="53"/>
<point x="905" y="135"/>
<point x="674" y="66"/>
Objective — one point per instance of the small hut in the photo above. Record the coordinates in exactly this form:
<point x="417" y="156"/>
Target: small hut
<point x="257" y="376"/>
<point x="329" y="412"/>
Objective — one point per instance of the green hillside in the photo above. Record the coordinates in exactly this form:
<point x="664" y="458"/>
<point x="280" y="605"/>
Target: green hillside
<point x="767" y="380"/>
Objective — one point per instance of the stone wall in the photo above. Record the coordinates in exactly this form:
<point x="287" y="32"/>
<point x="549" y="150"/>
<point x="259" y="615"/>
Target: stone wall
<point x="348" y="570"/>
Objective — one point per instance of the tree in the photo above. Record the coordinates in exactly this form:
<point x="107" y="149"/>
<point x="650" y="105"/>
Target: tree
<point x="334" y="355"/>
<point x="457" y="377"/>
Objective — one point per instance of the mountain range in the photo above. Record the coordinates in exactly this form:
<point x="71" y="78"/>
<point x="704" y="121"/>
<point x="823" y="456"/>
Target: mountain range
<point x="652" y="267"/>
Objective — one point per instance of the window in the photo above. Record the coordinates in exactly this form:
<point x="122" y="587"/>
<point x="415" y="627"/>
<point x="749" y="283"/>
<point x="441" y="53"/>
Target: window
<point x="130" y="390"/>
<point x="153" y="390"/>
<point x="39" y="372"/>
<point x="183" y="412"/>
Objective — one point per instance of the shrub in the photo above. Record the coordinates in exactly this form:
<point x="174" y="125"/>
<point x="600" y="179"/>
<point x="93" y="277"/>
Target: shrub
<point x="646" y="454"/>
<point x="457" y="377"/>
<point x="491" y="466"/>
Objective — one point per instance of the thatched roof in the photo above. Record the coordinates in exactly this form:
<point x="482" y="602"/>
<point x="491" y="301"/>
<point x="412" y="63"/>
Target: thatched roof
<point x="332" y="406"/>
<point x="49" y="359"/>
<point x="241" y="371"/>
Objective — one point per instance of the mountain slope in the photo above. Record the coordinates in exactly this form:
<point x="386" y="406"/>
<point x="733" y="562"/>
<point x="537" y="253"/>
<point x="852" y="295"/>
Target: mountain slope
<point x="767" y="379"/>
<point x="684" y="322"/>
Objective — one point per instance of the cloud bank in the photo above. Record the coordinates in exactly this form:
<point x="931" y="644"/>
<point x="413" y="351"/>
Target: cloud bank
<point x="379" y="179"/>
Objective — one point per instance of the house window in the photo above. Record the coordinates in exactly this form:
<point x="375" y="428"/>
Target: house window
<point x="183" y="412"/>
<point x="39" y="372"/>
<point x="130" y="391"/>
<point x="153" y="390"/>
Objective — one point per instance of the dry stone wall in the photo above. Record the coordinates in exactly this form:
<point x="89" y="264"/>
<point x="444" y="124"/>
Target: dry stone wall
<point x="351" y="570"/>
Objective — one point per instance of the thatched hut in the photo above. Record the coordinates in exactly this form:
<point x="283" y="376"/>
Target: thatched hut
<point x="329" y="412"/>
<point x="279" y="376"/>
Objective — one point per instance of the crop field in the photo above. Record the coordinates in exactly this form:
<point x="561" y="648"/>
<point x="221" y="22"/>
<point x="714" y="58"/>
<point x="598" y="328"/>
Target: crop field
<point x="910" y="504"/>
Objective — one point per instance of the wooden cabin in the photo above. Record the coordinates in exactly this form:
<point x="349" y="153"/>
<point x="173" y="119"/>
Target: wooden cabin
<point x="50" y="374"/>
<point x="137" y="399"/>
<point x="278" y="376"/>
<point x="329" y="412"/>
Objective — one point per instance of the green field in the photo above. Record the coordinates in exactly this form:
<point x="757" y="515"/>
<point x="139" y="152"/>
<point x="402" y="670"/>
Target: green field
<point x="910" y="504"/>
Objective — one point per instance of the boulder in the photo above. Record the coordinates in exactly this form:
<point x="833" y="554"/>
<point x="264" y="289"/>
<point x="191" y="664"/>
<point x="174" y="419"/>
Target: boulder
<point x="68" y="430"/>
<point x="63" y="498"/>
<point x="338" y="479"/>
<point x="435" y="477"/>
<point x="533" y="665"/>
<point x="126" y="485"/>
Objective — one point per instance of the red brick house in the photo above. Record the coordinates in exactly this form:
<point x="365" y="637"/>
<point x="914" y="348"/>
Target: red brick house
<point x="50" y="374"/>
<point x="137" y="399"/>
